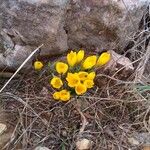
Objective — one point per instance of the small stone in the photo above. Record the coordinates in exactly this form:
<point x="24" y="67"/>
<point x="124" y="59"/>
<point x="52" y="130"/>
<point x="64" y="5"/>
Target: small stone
<point x="3" y="128"/>
<point x="41" y="148"/>
<point x="133" y="141"/>
<point x="84" y="144"/>
<point x="119" y="60"/>
<point x="64" y="133"/>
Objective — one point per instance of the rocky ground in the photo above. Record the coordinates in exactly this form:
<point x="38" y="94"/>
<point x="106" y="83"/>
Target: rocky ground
<point x="113" y="115"/>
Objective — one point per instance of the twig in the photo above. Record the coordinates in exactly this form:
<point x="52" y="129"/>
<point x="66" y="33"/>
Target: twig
<point x="84" y="121"/>
<point x="141" y="67"/>
<point x="145" y="122"/>
<point x="24" y="103"/>
<point x="26" y="60"/>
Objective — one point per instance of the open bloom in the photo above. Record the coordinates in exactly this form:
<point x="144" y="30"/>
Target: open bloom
<point x="73" y="79"/>
<point x="89" y="83"/>
<point x="80" y="56"/>
<point x="61" y="67"/>
<point x="83" y="75"/>
<point x="56" y="82"/>
<point x="89" y="62"/>
<point x="72" y="58"/>
<point x="91" y="76"/>
<point x="38" y="65"/>
<point x="103" y="58"/>
<point x="56" y="95"/>
<point x="80" y="89"/>
<point x="64" y="95"/>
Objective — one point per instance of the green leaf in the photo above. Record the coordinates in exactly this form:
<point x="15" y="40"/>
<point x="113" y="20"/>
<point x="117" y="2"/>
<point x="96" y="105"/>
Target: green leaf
<point x="143" y="88"/>
<point x="63" y="146"/>
<point x="49" y="64"/>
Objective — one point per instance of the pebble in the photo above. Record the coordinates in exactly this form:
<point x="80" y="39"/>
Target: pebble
<point x="41" y="148"/>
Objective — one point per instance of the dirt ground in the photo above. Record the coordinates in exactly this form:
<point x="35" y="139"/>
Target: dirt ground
<point x="114" y="115"/>
<point x="113" y="112"/>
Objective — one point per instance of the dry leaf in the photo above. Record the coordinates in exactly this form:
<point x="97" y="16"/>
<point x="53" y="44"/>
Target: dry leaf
<point x="3" y="128"/>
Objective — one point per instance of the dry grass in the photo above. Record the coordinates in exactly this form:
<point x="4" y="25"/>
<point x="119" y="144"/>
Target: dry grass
<point x="113" y="112"/>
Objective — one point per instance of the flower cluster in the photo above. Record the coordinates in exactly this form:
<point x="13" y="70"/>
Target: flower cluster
<point x="75" y="75"/>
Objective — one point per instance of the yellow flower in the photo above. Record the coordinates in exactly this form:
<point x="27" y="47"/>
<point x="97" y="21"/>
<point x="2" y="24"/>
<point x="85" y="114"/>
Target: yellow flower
<point x="64" y="95"/>
<point x="91" y="75"/>
<point x="72" y="58"/>
<point x="83" y="75"/>
<point x="103" y="58"/>
<point x="61" y="67"/>
<point x="56" y="82"/>
<point x="73" y="79"/>
<point x="89" y="83"/>
<point x="89" y="62"/>
<point x="38" y="65"/>
<point x="80" y="56"/>
<point x="56" y="95"/>
<point x="80" y="89"/>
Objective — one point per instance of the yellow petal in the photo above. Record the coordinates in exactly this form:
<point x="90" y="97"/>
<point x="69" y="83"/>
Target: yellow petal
<point x="73" y="79"/>
<point x="83" y="75"/>
<point x="89" y="83"/>
<point x="91" y="75"/>
<point x="61" y="67"/>
<point x="72" y="58"/>
<point x="56" y="95"/>
<point x="64" y="95"/>
<point x="89" y="62"/>
<point x="56" y="82"/>
<point x="80" y="89"/>
<point x="80" y="56"/>
<point x="103" y="59"/>
<point x="38" y="65"/>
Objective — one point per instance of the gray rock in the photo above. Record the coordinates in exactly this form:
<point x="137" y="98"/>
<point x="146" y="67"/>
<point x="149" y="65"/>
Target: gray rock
<point x="31" y="23"/>
<point x="59" y="24"/>
<point x="103" y="24"/>
<point x="13" y="59"/>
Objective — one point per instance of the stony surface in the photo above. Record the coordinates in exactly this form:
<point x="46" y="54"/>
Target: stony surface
<point x="29" y="23"/>
<point x="59" y="24"/>
<point x="102" y="24"/>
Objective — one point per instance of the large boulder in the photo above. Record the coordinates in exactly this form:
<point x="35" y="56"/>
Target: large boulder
<point x="63" y="24"/>
<point x="103" y="24"/>
<point x="26" y="24"/>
